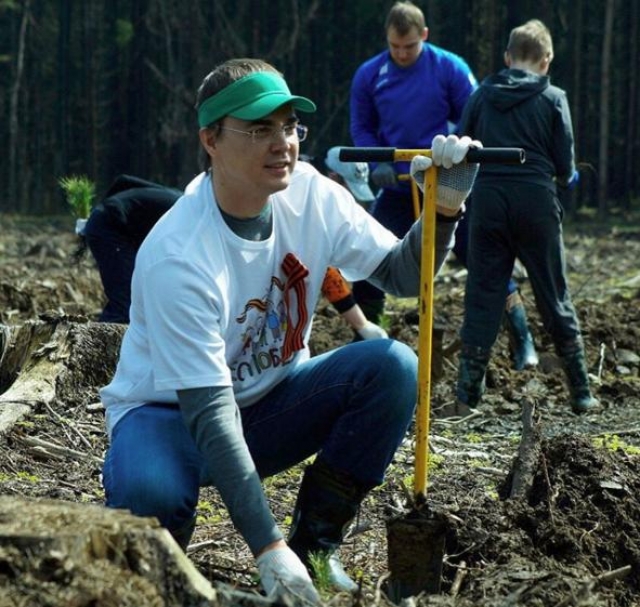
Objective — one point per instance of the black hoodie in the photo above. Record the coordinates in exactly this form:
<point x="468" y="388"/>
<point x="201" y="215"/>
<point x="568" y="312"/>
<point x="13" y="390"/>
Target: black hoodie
<point x="516" y="108"/>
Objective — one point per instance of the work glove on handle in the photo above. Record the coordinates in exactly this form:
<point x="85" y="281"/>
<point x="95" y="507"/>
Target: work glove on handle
<point x="372" y="331"/>
<point x="283" y="576"/>
<point x="384" y="175"/>
<point x="455" y="175"/>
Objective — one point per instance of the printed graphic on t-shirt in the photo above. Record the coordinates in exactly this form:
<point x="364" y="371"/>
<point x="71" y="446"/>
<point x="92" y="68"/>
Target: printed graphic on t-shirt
<point x="273" y="325"/>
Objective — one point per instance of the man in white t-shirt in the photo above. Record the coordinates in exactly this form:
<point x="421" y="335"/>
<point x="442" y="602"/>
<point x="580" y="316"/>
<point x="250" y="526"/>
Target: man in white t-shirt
<point x="214" y="384"/>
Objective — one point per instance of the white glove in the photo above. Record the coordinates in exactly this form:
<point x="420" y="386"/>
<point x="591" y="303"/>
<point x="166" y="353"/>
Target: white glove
<point x="372" y="331"/>
<point x="420" y="164"/>
<point x="447" y="151"/>
<point x="456" y="180"/>
<point x="384" y="175"/>
<point x="81" y="224"/>
<point x="282" y="574"/>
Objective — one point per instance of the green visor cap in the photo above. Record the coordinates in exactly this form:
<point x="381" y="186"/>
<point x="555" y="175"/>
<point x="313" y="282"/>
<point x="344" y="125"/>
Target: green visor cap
<point x="250" y="98"/>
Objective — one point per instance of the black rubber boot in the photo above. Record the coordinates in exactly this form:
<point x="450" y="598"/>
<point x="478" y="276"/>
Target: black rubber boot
<point x="520" y="338"/>
<point x="182" y="536"/>
<point x="327" y="503"/>
<point x="575" y="366"/>
<point x="472" y="368"/>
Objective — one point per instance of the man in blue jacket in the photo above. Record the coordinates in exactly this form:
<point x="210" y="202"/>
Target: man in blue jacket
<point x="403" y="97"/>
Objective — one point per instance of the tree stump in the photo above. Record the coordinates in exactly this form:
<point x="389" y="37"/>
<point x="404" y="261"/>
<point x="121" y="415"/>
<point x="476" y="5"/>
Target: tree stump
<point x="63" y="553"/>
<point x="54" y="360"/>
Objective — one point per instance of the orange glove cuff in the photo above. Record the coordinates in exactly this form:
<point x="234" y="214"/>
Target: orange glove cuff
<point x="334" y="286"/>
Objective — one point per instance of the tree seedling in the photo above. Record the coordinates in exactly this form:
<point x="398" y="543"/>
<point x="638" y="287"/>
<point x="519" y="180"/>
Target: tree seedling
<point x="80" y="192"/>
<point x="321" y="572"/>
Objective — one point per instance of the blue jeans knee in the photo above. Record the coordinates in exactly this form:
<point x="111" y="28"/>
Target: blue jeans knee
<point x="152" y="467"/>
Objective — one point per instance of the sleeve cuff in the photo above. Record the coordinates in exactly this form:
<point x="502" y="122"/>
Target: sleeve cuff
<point x="450" y="218"/>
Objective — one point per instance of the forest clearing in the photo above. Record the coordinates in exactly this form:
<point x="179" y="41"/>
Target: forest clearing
<point x="567" y="534"/>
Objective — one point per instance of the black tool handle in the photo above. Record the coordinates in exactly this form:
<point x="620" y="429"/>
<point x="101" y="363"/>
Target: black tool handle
<point x="481" y="155"/>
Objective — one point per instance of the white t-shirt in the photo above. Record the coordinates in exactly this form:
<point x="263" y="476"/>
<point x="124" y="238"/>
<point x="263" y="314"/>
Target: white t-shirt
<point x="209" y="308"/>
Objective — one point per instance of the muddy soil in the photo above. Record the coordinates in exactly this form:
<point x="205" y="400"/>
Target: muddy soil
<point x="573" y="539"/>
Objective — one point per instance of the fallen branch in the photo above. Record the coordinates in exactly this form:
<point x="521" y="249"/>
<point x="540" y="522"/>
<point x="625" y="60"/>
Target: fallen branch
<point x="55" y="450"/>
<point x="455" y="421"/>
<point x="461" y="573"/>
<point x="198" y="546"/>
<point x="615" y="574"/>
<point x="491" y="471"/>
<point x="550" y="493"/>
<point x="526" y="463"/>
<point x="599" y="580"/>
<point x="67" y="424"/>
<point x="601" y="361"/>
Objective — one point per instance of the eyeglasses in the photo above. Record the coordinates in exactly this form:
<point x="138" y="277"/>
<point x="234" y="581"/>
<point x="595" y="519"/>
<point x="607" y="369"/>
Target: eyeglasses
<point x="261" y="134"/>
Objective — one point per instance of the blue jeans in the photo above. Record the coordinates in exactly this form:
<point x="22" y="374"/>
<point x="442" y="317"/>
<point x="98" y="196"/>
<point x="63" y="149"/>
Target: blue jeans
<point x="352" y="406"/>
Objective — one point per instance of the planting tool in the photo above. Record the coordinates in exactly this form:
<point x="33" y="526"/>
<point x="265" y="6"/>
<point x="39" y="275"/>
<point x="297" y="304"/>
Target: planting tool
<point x="415" y="194"/>
<point x="416" y="540"/>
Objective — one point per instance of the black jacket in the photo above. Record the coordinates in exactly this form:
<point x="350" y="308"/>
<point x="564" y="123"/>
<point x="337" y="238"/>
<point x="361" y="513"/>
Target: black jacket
<point x="516" y="108"/>
<point x="133" y="205"/>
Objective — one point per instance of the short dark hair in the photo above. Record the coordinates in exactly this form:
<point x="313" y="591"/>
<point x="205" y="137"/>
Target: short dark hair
<point x="405" y="16"/>
<point x="530" y="42"/>
<point x="221" y="77"/>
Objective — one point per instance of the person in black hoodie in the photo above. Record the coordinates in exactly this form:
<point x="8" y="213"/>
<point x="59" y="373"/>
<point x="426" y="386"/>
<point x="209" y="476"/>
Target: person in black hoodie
<point x="114" y="232"/>
<point x="516" y="213"/>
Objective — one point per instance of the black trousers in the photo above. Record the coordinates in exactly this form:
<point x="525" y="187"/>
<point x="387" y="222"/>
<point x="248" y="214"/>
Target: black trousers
<point x="514" y="219"/>
<point x="394" y="210"/>
<point x="115" y="255"/>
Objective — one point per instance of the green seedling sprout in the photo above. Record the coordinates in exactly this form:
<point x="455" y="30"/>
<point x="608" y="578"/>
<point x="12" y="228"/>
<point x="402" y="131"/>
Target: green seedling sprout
<point x="80" y="192"/>
<point x="319" y="564"/>
<point x="612" y="442"/>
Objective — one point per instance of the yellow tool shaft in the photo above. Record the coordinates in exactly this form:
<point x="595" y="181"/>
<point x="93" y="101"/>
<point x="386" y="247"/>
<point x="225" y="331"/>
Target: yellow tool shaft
<point x="427" y="271"/>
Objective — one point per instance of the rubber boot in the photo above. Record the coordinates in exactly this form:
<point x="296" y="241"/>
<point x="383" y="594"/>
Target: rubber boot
<point x="472" y="368"/>
<point x="182" y="536"/>
<point x="373" y="309"/>
<point x="520" y="338"/>
<point x="327" y="503"/>
<point x="575" y="366"/>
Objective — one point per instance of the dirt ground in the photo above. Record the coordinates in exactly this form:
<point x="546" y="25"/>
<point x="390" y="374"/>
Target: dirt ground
<point x="571" y="539"/>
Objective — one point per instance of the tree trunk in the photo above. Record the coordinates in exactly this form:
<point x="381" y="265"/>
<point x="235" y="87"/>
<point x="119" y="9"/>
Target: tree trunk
<point x="62" y="103"/>
<point x="605" y="88"/>
<point x="632" y="151"/>
<point x="574" y="100"/>
<point x="14" y="103"/>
